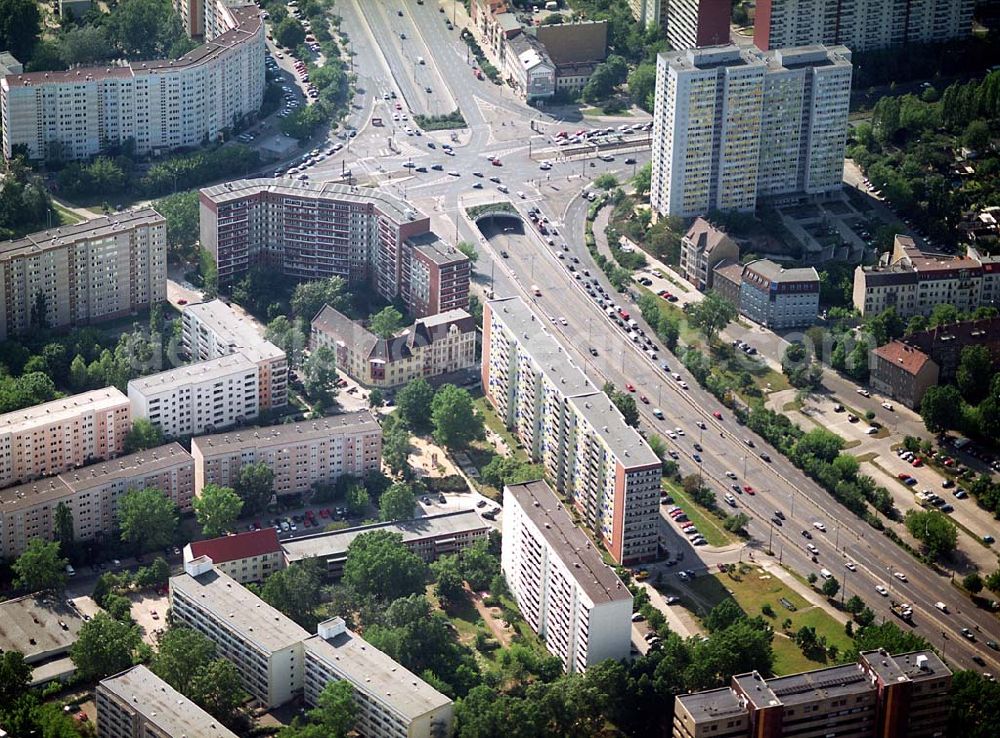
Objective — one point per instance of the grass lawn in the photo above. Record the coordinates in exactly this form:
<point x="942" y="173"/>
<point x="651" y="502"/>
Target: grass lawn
<point x="709" y="525"/>
<point x="753" y="590"/>
<point x="599" y="111"/>
<point x="688" y="335"/>
<point x="66" y="216"/>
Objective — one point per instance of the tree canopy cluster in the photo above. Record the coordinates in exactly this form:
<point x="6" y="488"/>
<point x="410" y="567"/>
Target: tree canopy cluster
<point x="25" y="205"/>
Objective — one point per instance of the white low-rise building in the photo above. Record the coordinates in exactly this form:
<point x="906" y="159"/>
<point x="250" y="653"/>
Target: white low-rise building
<point x="198" y="398"/>
<point x="567" y="594"/>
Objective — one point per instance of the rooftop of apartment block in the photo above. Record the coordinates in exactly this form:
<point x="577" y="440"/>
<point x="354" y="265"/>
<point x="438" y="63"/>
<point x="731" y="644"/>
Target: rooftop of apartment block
<point x="909" y="359"/>
<point x="33" y="624"/>
<point x="807" y="686"/>
<point x="624" y="441"/>
<point x="234" y="328"/>
<point x="240" y="609"/>
<point x="248" y="23"/>
<point x="102" y="227"/>
<point x="578" y="554"/>
<point x="812" y="55"/>
<point x="142" y="463"/>
<point x="707" y="58"/>
<point x="775" y="273"/>
<point x="162" y="705"/>
<point x="712" y="704"/>
<point x="285" y="434"/>
<point x="61" y="410"/>
<point x="201" y="371"/>
<point x="435" y="249"/>
<point x="546" y="352"/>
<point x="370" y="670"/>
<point x="706" y="236"/>
<point x="30" y="494"/>
<point x="913" y="666"/>
<point x="336" y="542"/>
<point x="388" y="205"/>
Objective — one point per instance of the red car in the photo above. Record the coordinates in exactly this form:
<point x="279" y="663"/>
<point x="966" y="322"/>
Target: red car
<point x="630" y="387"/>
<point x="903" y="475"/>
<point x="399" y="106"/>
<point x="496" y="162"/>
<point x="917" y="462"/>
<point x="717" y="415"/>
<point x="749" y="490"/>
<point x="182" y="301"/>
<point x="645" y="400"/>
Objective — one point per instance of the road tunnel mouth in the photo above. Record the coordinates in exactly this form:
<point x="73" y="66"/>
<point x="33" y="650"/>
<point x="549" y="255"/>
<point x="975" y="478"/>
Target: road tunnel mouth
<point x="497" y="224"/>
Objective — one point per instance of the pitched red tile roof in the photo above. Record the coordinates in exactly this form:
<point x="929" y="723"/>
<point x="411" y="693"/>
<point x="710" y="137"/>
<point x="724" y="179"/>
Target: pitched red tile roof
<point x="910" y="359"/>
<point x="239" y="546"/>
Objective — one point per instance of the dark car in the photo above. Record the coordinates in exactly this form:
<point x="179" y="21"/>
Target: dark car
<point x="807" y="534"/>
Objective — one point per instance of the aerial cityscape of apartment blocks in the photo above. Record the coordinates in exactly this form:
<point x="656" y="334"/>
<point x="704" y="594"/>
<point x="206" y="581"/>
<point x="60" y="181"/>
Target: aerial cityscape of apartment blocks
<point x="390" y="700"/>
<point x="301" y="454"/>
<point x="568" y="595"/>
<point x="310" y="231"/>
<point x="733" y="124"/>
<point x="62" y="434"/>
<point x="198" y="398"/>
<point x="278" y="660"/>
<point x="861" y="25"/>
<point x="914" y="283"/>
<point x="432" y="346"/>
<point x="96" y="270"/>
<point x="880" y="696"/>
<point x="214" y="329"/>
<point x="91" y="494"/>
<point x="136" y="703"/>
<point x="155" y="105"/>
<point x="588" y="451"/>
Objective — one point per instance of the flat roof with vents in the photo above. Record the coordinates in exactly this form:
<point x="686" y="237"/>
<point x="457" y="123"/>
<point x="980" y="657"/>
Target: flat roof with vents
<point x="142" y="463"/>
<point x="369" y="670"/>
<point x="577" y="552"/>
<point x="202" y="371"/>
<point x="286" y="434"/>
<point x="61" y="410"/>
<point x="39" y="625"/>
<point x="234" y="329"/>
<point x="102" y="227"/>
<point x="162" y="705"/>
<point x="243" y="612"/>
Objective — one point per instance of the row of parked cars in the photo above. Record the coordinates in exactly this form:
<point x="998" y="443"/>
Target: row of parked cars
<point x="687" y="527"/>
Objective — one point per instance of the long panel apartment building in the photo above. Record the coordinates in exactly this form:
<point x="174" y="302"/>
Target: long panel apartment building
<point x="880" y="696"/>
<point x="301" y="454"/>
<point x="588" y="451"/>
<point x="214" y="329"/>
<point x="861" y="25"/>
<point x="46" y="439"/>
<point x="91" y="494"/>
<point x="97" y="270"/>
<point x="731" y="125"/>
<point x="279" y="661"/>
<point x="309" y="231"/>
<point x="154" y="105"/>
<point x="391" y="700"/>
<point x="568" y="595"/>
<point x="199" y="398"/>
<point x="138" y="704"/>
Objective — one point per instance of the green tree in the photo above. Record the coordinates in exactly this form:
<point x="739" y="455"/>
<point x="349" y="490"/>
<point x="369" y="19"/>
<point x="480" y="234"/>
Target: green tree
<point x="63" y="524"/>
<point x="218" y="689"/>
<point x="105" y="646"/>
<point x="319" y="376"/>
<point x="972" y="705"/>
<point x="118" y="607"/>
<point x="396" y="447"/>
<point x="469" y="249"/>
<point x="289" y="33"/>
<point x="975" y="369"/>
<point x="335" y="712"/>
<point x="255" y="486"/>
<point x="78" y="378"/>
<point x="357" y="499"/>
<point x="15" y="676"/>
<point x="216" y="509"/>
<point x="941" y="408"/>
<point x="726" y="613"/>
<point x="606" y="181"/>
<point x="972" y="583"/>
<point x="478" y="566"/>
<point x="934" y="529"/>
<point x="380" y="565"/>
<point x="830" y="587"/>
<point x="625" y="403"/>
<point x="642" y="85"/>
<point x="181" y="654"/>
<point x="711" y="314"/>
<point x="181" y="211"/>
<point x="397" y="503"/>
<point x="889" y="636"/>
<point x="855" y="605"/>
<point x="993" y="581"/>
<point x="448" y="576"/>
<point x="143" y="435"/>
<point x="643" y="179"/>
<point x="737" y="523"/>
<point x="977" y="135"/>
<point x="145" y="29"/>
<point x="453" y="416"/>
<point x="386" y="322"/>
<point x="310" y="297"/>
<point x="295" y="591"/>
<point x="20" y="27"/>
<point x="414" y="403"/>
<point x="39" y="567"/>
<point x="289" y="336"/>
<point x="147" y="519"/>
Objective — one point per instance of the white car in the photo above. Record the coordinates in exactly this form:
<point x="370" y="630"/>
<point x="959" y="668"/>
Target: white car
<point x="899" y="575"/>
<point x="941" y="606"/>
<point x="731" y="475"/>
<point x="863" y="392"/>
<point x="851" y="565"/>
<point x="887" y="405"/>
<point x="679" y="431"/>
<point x="684" y="385"/>
<point x="812" y="549"/>
<point x="881" y="590"/>
<point x="819" y="526"/>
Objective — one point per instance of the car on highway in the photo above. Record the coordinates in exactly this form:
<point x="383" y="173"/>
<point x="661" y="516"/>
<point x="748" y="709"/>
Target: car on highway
<point x="630" y="387"/>
<point x="819" y="526"/>
<point x="811" y="548"/>
<point x="717" y="415"/>
<point x="851" y="566"/>
<point x="863" y="392"/>
<point x="731" y="474"/>
<point x="881" y="590"/>
<point x="807" y="534"/>
<point x="777" y="521"/>
<point x="899" y="575"/>
<point x="749" y="442"/>
<point x="749" y="490"/>
<point x="968" y="634"/>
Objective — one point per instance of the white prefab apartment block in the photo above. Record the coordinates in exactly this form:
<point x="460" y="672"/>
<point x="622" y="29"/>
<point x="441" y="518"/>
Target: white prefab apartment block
<point x="156" y="105"/>
<point x="733" y="124"/>
<point x="138" y="704"/>
<point x="391" y="701"/>
<point x="300" y="454"/>
<point x="199" y="397"/>
<point x="214" y="329"/>
<point x="263" y="644"/>
<point x="570" y="597"/>
<point x="97" y="270"/>
<point x="62" y="434"/>
<point x="588" y="451"/>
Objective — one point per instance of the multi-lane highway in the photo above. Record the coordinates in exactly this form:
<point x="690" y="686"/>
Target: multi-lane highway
<point x="499" y="125"/>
